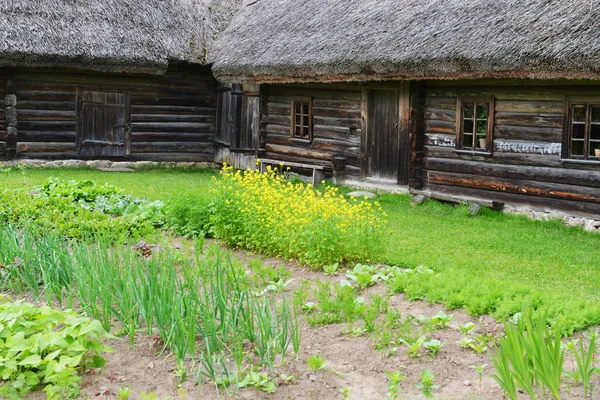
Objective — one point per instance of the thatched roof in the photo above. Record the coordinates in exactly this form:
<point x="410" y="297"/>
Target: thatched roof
<point x="109" y="35"/>
<point x="345" y="40"/>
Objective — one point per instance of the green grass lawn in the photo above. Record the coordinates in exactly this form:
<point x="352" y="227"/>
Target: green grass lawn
<point x="545" y="256"/>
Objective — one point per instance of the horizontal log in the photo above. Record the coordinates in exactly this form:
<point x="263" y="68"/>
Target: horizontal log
<point x="442" y="103"/>
<point x="171" y="136"/>
<point x="519" y="146"/>
<point x="528" y="106"/>
<point x="172" y="118"/>
<point x="194" y="127"/>
<point x="332" y="146"/>
<point x="338" y="104"/>
<point x="45" y="105"/>
<point x="524" y="187"/>
<point x="179" y="110"/>
<point x="590" y="210"/>
<point x="552" y="135"/>
<point x="171" y="157"/>
<point x="45" y="147"/>
<point x="176" y="147"/>
<point x="335" y="113"/>
<point x="300" y="159"/>
<point x="540" y="120"/>
<point x="45" y="115"/>
<point x="46" y="136"/>
<point x="344" y="134"/>
<point x="314" y="93"/>
<point x="440" y="139"/>
<point x="440" y="127"/>
<point x="300" y="152"/>
<point x="47" y="126"/>
<point x="498" y="157"/>
<point x="173" y="101"/>
<point x="277" y="129"/>
<point x="521" y="172"/>
<point x="439" y="114"/>
<point x="2" y="147"/>
<point x="352" y="171"/>
<point x="65" y="155"/>
<point x="339" y="122"/>
<point x="284" y="109"/>
<point x="41" y="95"/>
<point x="282" y="120"/>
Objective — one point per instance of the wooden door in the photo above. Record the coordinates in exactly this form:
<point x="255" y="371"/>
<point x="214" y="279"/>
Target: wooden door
<point x="383" y="135"/>
<point x="104" y="122"/>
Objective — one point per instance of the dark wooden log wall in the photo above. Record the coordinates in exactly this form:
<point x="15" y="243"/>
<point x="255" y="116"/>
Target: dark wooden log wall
<point x="336" y="125"/>
<point x="172" y="117"/>
<point x="526" y="165"/>
<point x="3" y="133"/>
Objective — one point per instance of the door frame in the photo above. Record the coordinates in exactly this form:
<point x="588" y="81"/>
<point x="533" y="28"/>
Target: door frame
<point x="404" y="143"/>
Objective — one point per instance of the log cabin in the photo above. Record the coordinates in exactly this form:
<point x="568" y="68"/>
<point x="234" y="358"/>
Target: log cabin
<point x="496" y="101"/>
<point x="108" y="79"/>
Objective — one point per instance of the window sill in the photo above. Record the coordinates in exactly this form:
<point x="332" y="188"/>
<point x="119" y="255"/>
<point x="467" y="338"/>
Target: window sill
<point x="578" y="161"/>
<point x="474" y="153"/>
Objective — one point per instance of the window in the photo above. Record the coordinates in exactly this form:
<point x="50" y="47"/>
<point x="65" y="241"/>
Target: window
<point x="302" y="119"/>
<point x="583" y="131"/>
<point x="474" y="125"/>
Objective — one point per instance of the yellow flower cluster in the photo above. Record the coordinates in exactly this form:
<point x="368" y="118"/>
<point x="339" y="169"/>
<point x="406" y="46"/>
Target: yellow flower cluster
<point x="263" y="212"/>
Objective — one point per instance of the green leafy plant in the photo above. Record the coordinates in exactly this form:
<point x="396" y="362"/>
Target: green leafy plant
<point x="466" y="342"/>
<point x="441" y="319"/>
<point x="480" y="369"/>
<point x="413" y="348"/>
<point x="395" y="378"/>
<point x="364" y="275"/>
<point x="260" y="381"/>
<point x="316" y="362"/>
<point x="330" y="269"/>
<point x="427" y="386"/>
<point x="585" y="362"/>
<point x="466" y="328"/>
<point x="43" y="346"/>
<point x="433" y="346"/>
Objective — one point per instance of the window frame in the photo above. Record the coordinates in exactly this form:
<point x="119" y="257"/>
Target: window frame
<point x="489" y="138"/>
<point x="569" y="103"/>
<point x="293" y="125"/>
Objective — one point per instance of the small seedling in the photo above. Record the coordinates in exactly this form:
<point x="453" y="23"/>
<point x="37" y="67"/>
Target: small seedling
<point x="316" y="362"/>
<point x="433" y="346"/>
<point x="413" y="348"/>
<point x="466" y="328"/>
<point x="330" y="269"/>
<point x="309" y="306"/>
<point x="390" y="352"/>
<point x="479" y="369"/>
<point x="345" y="392"/>
<point x="395" y="379"/>
<point x="124" y="393"/>
<point x="260" y="381"/>
<point x="479" y="347"/>
<point x="357" y="331"/>
<point x="426" y="385"/>
<point x="278" y="286"/>
<point x="466" y="342"/>
<point x="441" y="319"/>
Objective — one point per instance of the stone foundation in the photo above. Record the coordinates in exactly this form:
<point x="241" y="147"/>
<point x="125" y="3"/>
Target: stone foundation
<point x="105" y="164"/>
<point x="588" y="224"/>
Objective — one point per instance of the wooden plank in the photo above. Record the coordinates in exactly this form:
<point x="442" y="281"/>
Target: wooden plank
<point x="176" y="147"/>
<point x="45" y="115"/>
<point x="521" y="172"/>
<point x="172" y="118"/>
<point x="351" y="136"/>
<point x="439" y="114"/>
<point x="45" y="105"/>
<point x="68" y="126"/>
<point x="528" y="106"/>
<point x="591" y="209"/>
<point x="440" y="127"/>
<point x="173" y="101"/>
<point x="440" y="139"/>
<point x="524" y="187"/>
<point x="44" y="147"/>
<point x="172" y="157"/>
<point x="336" y="113"/>
<point x="306" y="153"/>
<point x="351" y="105"/>
<point x="172" y="127"/>
<point x="498" y="157"/>
<point x="304" y="91"/>
<point x="51" y="96"/>
<point x="277" y="129"/>
<point x="529" y="119"/>
<point x="339" y="122"/>
<point x="553" y="135"/>
<point x="46" y="136"/>
<point x="171" y="136"/>
<point x="177" y="110"/>
<point x="295" y="158"/>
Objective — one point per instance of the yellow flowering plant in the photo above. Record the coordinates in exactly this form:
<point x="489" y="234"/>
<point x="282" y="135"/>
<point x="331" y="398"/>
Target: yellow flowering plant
<point x="265" y="213"/>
